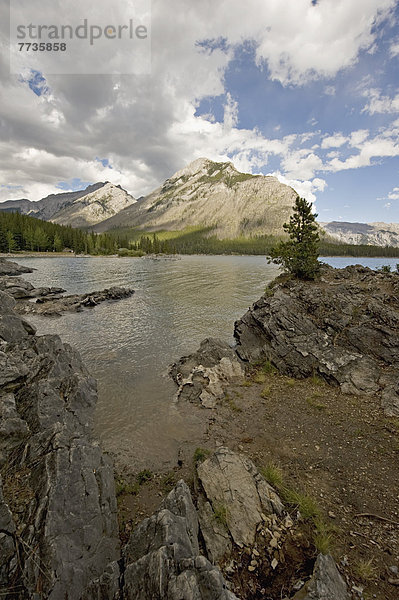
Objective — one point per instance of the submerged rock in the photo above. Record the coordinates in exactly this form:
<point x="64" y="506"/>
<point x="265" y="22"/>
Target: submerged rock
<point x="52" y="303"/>
<point x="343" y="327"/>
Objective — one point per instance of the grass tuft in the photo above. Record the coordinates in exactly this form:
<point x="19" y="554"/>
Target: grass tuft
<point x="273" y="475"/>
<point x="268" y="368"/>
<point x="366" y="570"/>
<point x="306" y="505"/>
<point x="265" y="393"/>
<point x="316" y="380"/>
<point x="220" y="514"/>
<point x="246" y="383"/>
<point x="323" y="536"/>
<point x="201" y="454"/>
<point x="313" y="403"/>
<point x="259" y="377"/>
<point x="123" y="488"/>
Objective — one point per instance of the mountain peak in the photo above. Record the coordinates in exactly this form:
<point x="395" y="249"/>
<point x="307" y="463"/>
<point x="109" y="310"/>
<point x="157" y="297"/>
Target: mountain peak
<point x="202" y="166"/>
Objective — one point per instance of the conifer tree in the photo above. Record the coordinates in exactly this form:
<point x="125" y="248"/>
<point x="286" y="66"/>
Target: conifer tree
<point x="299" y="254"/>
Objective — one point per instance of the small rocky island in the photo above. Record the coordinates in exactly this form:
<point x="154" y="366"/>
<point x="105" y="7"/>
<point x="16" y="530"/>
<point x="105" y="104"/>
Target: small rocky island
<point x="50" y="301"/>
<point x="312" y="362"/>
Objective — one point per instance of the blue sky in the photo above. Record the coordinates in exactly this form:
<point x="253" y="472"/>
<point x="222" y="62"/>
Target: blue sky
<point x="305" y="91"/>
<point x="328" y="108"/>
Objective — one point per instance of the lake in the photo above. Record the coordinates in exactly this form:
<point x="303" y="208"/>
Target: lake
<point x="128" y="345"/>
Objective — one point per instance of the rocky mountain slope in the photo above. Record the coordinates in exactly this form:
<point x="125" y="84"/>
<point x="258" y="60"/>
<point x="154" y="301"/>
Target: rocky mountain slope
<point x="375" y="234"/>
<point x="95" y="207"/>
<point x="210" y="194"/>
<point x="79" y="209"/>
<point x="47" y="207"/>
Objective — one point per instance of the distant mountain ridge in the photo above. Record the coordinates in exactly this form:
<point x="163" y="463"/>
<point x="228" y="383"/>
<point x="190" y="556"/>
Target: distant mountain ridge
<point x="82" y="208"/>
<point x="375" y="234"/>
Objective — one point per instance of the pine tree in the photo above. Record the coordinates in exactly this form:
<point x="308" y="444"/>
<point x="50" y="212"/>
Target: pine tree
<point x="299" y="254"/>
<point x="57" y="243"/>
<point x="11" y="243"/>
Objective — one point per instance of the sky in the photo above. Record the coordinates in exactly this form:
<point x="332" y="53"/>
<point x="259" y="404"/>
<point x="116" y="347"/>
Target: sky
<point x="305" y="90"/>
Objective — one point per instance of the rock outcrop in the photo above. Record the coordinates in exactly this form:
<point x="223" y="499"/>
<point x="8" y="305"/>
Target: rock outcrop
<point x="11" y="269"/>
<point x="249" y="532"/>
<point x="163" y="560"/>
<point x="57" y="504"/>
<point x="58" y="525"/>
<point x="20" y="289"/>
<point x="344" y="328"/>
<point x="52" y="303"/>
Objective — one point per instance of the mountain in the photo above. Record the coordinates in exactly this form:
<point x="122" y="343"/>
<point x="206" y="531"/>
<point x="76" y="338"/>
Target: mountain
<point x="82" y="208"/>
<point x="210" y="194"/>
<point x="22" y="206"/>
<point x="375" y="234"/>
<point x="94" y="207"/>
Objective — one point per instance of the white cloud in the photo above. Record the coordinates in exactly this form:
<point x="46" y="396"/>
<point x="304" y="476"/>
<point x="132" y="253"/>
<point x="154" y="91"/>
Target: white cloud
<point x="147" y="127"/>
<point x="230" y="119"/>
<point x="394" y="49"/>
<point x="306" y="189"/>
<point x="301" y="164"/>
<point x="330" y="90"/>
<point x="309" y="42"/>
<point x="334" y="141"/>
<point x="358" y="137"/>
<point x="385" y="144"/>
<point x="379" y="103"/>
<point x="394" y="195"/>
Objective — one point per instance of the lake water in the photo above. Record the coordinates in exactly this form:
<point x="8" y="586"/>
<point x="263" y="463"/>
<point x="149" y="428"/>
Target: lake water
<point x="128" y="345"/>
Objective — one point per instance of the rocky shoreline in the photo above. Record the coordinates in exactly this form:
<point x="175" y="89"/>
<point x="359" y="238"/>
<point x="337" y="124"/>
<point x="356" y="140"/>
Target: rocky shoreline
<point x="343" y="328"/>
<point x="231" y="534"/>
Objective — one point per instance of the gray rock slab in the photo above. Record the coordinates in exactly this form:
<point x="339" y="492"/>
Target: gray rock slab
<point x="236" y="490"/>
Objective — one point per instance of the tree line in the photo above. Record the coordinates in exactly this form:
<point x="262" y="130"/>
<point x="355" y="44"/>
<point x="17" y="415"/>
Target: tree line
<point x="22" y="232"/>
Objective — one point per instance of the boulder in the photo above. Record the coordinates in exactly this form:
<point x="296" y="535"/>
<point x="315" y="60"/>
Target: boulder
<point x="237" y="498"/>
<point x="326" y="583"/>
